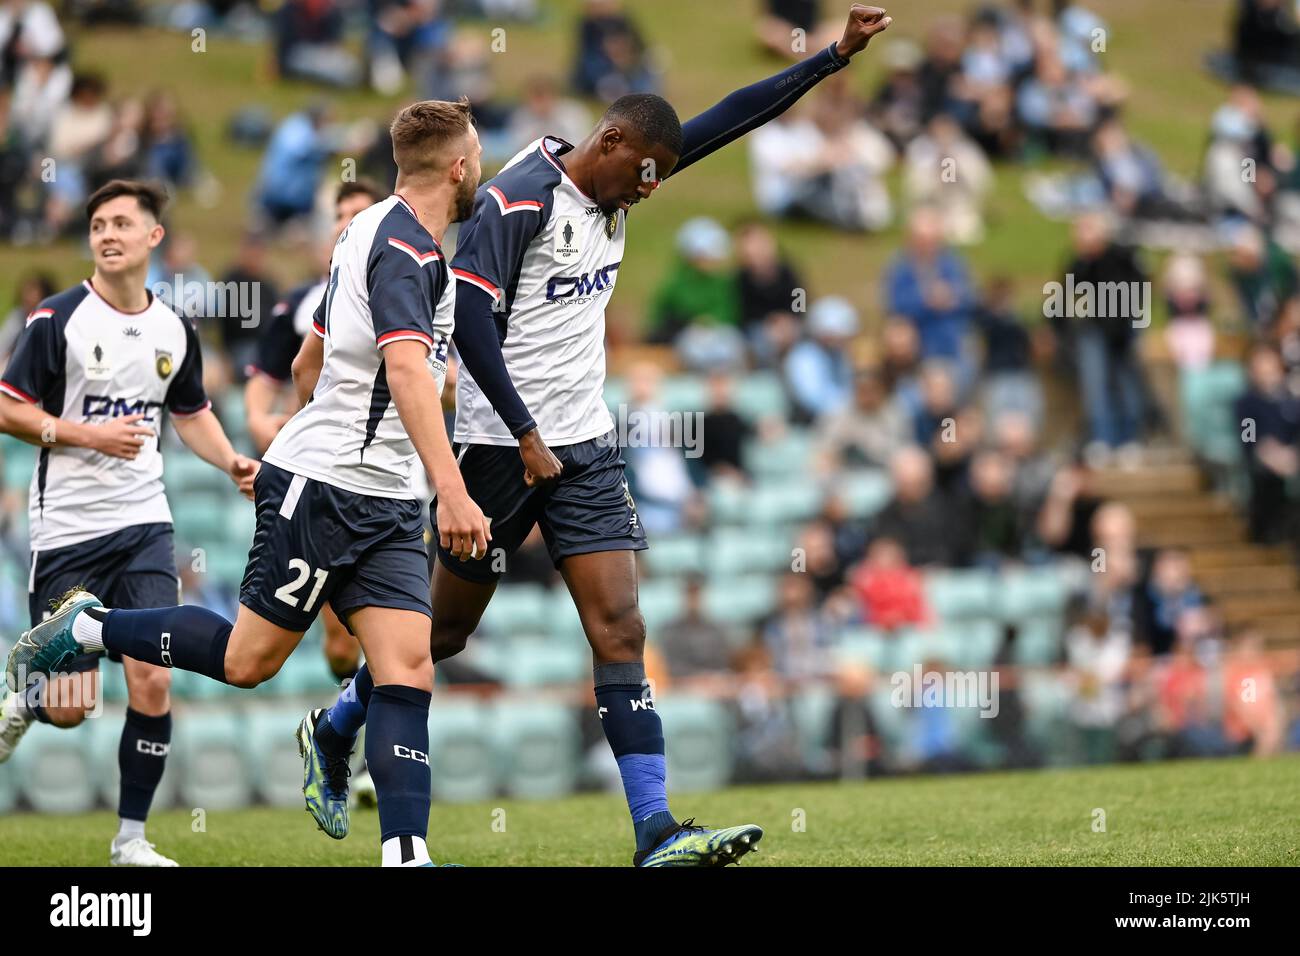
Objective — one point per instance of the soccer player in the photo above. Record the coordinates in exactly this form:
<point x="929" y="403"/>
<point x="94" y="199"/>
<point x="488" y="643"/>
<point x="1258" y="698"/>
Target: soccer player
<point x="88" y="381"/>
<point x="271" y="375"/>
<point x="338" y="519"/>
<point x="536" y="264"/>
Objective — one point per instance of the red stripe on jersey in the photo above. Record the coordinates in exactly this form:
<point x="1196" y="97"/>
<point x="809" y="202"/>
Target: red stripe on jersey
<point x="38" y="314"/>
<point x="400" y="334"/>
<point x="202" y="408"/>
<point x="479" y="281"/>
<point x="507" y="207"/>
<point x="423" y="258"/>
<point x="17" y="393"/>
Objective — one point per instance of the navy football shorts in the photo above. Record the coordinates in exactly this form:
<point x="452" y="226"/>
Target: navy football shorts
<point x="316" y="543"/>
<point x="588" y="509"/>
<point x="133" y="568"/>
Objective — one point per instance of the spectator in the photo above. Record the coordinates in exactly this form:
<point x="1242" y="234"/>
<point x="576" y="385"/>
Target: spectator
<point x="865" y="434"/>
<point x="1098" y="654"/>
<point x="818" y="370"/>
<point x="1189" y="333"/>
<point x="1104" y="345"/>
<point x="80" y="128"/>
<point x="891" y="592"/>
<point x="699" y="296"/>
<point x="917" y="516"/>
<point x="309" y="44"/>
<point x="723" y="434"/>
<point x="544" y="112"/>
<point x="940" y="67"/>
<point x="695" y="647"/>
<point x="928" y="284"/>
<point x="1188" y="716"/>
<point x="176" y="276"/>
<point x="293" y="165"/>
<point x="982" y="96"/>
<point x="819" y="161"/>
<point x="1066" y="518"/>
<point x="1009" y="381"/>
<point x="1016" y="436"/>
<point x="256" y="293"/>
<point x="799" y="635"/>
<point x="1058" y="112"/>
<point x="1269" y="416"/>
<point x="1132" y="175"/>
<point x="666" y="500"/>
<point x="948" y="172"/>
<point x="817" y="547"/>
<point x="1253" y="718"/>
<point x="898" y="107"/>
<point x="996" y="521"/>
<point x="1266" y="41"/>
<point x="402" y="32"/>
<point x="783" y="22"/>
<point x="1262" y="274"/>
<point x="612" y="57"/>
<point x="767" y="285"/>
<point x="169" y="148"/>
<point x="462" y="67"/>
<point x="1170" y="591"/>
<point x="1239" y="142"/>
<point x="33" y="288"/>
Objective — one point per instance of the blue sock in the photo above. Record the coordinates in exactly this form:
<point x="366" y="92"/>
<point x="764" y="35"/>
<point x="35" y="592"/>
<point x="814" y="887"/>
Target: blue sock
<point x="190" y="638"/>
<point x="397" y="753"/>
<point x="141" y="756"/>
<point x="636" y="735"/>
<point x="337" y="732"/>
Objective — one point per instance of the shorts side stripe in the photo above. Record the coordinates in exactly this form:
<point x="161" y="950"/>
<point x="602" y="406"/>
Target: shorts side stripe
<point x="31" y="578"/>
<point x="291" y="496"/>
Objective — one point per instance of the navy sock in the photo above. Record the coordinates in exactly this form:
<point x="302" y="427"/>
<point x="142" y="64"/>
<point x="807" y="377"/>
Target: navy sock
<point x="35" y="703"/>
<point x="141" y="756"/>
<point x="636" y="735"/>
<point x="342" y="722"/>
<point x="397" y="752"/>
<point x="191" y="638"/>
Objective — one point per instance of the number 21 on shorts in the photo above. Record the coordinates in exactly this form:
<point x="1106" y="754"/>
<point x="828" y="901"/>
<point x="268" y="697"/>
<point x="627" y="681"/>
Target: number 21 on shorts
<point x="289" y="592"/>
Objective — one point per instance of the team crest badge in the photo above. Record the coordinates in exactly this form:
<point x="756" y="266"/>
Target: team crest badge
<point x="98" y="367"/>
<point x="611" y="224"/>
<point x="162" y="362"/>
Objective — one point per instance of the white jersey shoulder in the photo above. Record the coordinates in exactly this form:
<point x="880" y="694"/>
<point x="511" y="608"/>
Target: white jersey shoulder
<point x="550" y="257"/>
<point x="388" y="282"/>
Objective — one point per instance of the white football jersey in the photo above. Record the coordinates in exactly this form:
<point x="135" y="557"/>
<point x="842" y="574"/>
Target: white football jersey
<point x="388" y="283"/>
<point x="549" y="257"/>
<point x="82" y="360"/>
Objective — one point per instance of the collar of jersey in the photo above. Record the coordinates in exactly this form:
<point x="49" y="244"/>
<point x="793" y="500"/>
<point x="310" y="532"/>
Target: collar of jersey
<point x="555" y="161"/>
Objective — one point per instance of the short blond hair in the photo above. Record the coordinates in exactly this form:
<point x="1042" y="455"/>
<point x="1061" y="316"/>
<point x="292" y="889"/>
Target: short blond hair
<point x="422" y="132"/>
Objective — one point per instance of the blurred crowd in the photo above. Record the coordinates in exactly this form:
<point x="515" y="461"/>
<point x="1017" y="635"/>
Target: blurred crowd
<point x="943" y="397"/>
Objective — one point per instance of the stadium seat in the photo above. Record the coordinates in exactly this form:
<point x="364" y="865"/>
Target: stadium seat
<point x="460" y="751"/>
<point x="55" y="769"/>
<point x="272" y="748"/>
<point x="1206" y="396"/>
<point x="536" y="663"/>
<point x="785" y="501"/>
<point x="536" y="746"/>
<point x="304" y="673"/>
<point x="661" y="601"/>
<point x="811" y="710"/>
<point x="761" y="395"/>
<point x="864" y="491"/>
<point x="699" y="735"/>
<point x="740" y="600"/>
<point x="971" y="645"/>
<point x="561" y="618"/>
<point x="785" y="457"/>
<point x="676" y="554"/>
<point x="734" y="551"/>
<point x="19" y="465"/>
<point x="960" y="595"/>
<point x="1030" y="592"/>
<point x="683" y="393"/>
<point x="209" y="750"/>
<point x="516" y="609"/>
<point x="104" y="736"/>
<point x="1038" y="641"/>
<point x="862" y="646"/>
<point x="182" y="469"/>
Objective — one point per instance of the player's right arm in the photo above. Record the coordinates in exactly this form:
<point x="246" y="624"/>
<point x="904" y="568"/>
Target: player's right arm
<point x="490" y="252"/>
<point x="34" y="371"/>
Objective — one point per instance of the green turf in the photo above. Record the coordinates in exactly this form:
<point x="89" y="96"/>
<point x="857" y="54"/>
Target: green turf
<point x="1224" y="812"/>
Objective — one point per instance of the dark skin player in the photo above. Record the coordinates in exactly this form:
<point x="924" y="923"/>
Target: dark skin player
<point x="610" y="165"/>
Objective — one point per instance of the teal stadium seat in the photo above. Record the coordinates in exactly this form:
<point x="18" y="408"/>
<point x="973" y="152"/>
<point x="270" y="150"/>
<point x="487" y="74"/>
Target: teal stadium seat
<point x="740" y="600"/>
<point x="538" y="663"/>
<point x="662" y="601"/>
<point x="460" y="751"/>
<point x="785" y="457"/>
<point x="788" y="500"/>
<point x="683" y="393"/>
<point x="734" y="551"/>
<point x="1206" y="396"/>
<point x="863" y="647"/>
<point x="55" y="769"/>
<point x="273" y="758"/>
<point x="698" y="734"/>
<point x="1031" y="592"/>
<point x="209" y="749"/>
<point x="960" y="595"/>
<point x="761" y="395"/>
<point x="536" y="746"/>
<point x="864" y="491"/>
<point x="676" y="554"/>
<point x="516" y="609"/>
<point x="1038" y="641"/>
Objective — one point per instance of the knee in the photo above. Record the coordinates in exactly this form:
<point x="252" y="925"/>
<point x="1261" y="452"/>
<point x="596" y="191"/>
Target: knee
<point x="249" y="672"/>
<point x="619" y="634"/>
<point x="447" y="639"/>
<point x="150" y="692"/>
<point x="65" y="717"/>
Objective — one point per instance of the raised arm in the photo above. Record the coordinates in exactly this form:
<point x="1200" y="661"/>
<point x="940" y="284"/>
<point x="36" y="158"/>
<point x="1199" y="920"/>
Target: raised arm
<point x="751" y="107"/>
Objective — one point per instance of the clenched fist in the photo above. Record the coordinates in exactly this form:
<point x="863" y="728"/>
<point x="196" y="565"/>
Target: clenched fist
<point x="864" y="23"/>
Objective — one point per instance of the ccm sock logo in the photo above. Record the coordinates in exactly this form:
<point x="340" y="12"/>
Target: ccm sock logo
<point x="417" y="755"/>
<point x="152" y="747"/>
<point x="165" y="647"/>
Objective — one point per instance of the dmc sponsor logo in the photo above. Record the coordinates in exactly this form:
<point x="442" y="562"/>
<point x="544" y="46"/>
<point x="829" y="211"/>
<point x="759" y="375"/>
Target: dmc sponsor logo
<point x="108" y="406"/>
<point x="583" y="287"/>
<point x="76" y="909"/>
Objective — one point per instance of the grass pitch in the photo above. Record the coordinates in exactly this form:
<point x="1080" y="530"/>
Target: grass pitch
<point x="1221" y="812"/>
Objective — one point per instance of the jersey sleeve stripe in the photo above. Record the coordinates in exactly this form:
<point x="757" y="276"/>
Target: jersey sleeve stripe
<point x="177" y="413"/>
<point x="507" y="207"/>
<point x="389" y="337"/>
<point x="318" y="328"/>
<point x="17" y="393"/>
<point x="479" y="281"/>
<point x="39" y="314"/>
<point x="421" y="258"/>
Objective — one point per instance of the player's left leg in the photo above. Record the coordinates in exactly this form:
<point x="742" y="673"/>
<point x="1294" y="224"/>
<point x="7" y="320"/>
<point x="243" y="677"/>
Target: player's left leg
<point x="603" y="585"/>
<point x="141" y="758"/>
<point x="341" y="649"/>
